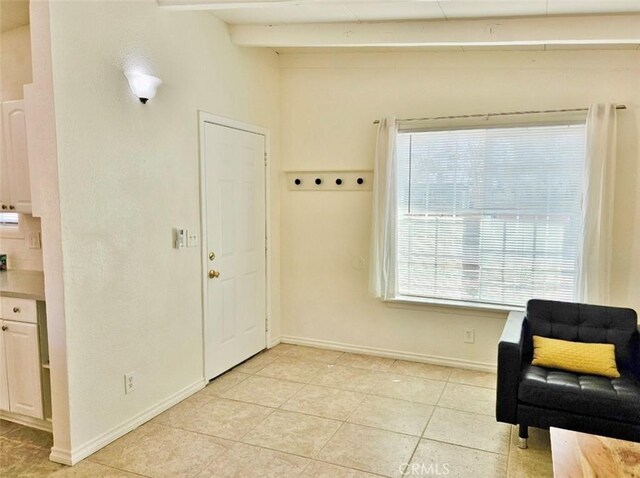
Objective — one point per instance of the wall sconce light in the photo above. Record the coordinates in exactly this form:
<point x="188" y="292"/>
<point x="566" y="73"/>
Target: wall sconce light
<point x="143" y="86"/>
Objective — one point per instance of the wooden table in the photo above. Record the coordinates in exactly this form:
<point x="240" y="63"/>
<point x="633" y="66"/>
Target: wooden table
<point x="580" y="455"/>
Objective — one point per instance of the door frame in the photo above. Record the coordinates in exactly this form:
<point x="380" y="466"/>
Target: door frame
<point x="203" y="119"/>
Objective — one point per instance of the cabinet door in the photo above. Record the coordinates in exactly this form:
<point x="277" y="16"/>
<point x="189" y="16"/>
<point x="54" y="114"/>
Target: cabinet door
<point x="16" y="158"/>
<point x="4" y="385"/>
<point x="23" y="368"/>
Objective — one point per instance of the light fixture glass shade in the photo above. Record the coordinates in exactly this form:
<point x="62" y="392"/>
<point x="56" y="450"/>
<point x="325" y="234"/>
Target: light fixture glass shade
<point x="143" y="86"/>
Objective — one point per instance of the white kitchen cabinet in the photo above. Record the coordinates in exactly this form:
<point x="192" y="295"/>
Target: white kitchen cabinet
<point x="23" y="368"/>
<point x="4" y="384"/>
<point x="15" y="193"/>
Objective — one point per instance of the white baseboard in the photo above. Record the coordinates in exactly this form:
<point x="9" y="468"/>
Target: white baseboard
<point x="396" y="354"/>
<point x="26" y="421"/>
<point x="274" y="342"/>
<point x="71" y="457"/>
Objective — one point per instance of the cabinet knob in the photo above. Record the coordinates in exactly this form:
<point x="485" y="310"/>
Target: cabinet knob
<point x="12" y="207"/>
<point x="16" y="310"/>
<point x="4" y="206"/>
<point x="4" y="327"/>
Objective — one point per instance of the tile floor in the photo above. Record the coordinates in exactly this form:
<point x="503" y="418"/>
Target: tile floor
<point x="304" y="412"/>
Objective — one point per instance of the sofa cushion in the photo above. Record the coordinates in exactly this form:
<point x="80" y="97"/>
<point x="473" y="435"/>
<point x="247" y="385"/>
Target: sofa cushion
<point x="612" y="398"/>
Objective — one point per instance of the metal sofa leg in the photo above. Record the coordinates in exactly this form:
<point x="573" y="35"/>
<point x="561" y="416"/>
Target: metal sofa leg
<point x="523" y="435"/>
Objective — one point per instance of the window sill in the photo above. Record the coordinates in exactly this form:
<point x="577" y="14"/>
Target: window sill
<point x="407" y="302"/>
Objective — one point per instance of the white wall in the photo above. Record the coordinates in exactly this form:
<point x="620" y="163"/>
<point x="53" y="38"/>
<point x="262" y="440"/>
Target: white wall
<point x="329" y="101"/>
<point x="16" y="246"/>
<point x="15" y="62"/>
<point x="128" y="175"/>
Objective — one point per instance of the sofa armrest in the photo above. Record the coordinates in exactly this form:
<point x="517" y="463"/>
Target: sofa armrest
<point x="509" y="365"/>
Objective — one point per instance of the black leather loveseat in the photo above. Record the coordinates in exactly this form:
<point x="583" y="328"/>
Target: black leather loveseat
<point x="528" y="395"/>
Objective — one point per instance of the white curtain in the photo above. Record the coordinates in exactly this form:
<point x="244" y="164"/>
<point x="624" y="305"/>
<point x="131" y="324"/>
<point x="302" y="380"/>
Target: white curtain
<point x="383" y="268"/>
<point x="595" y="266"/>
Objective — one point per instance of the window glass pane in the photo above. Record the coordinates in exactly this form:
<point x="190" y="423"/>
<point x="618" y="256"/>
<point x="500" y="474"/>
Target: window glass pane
<point x="490" y="215"/>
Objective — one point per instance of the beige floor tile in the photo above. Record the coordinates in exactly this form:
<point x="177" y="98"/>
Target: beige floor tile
<point x="292" y="369"/>
<point x="220" y="417"/>
<point x="405" y="387"/>
<point x="256" y="363"/>
<point x="263" y="391"/>
<point x="88" y="469"/>
<point x="539" y="440"/>
<point x="17" y="458"/>
<point x="368" y="362"/>
<point x="7" y="426"/>
<point x="31" y="436"/>
<point x="468" y="429"/>
<point x="423" y="370"/>
<point x="312" y="353"/>
<point x="369" y="449"/>
<point x="392" y="414"/>
<point x="293" y="433"/>
<point x="319" y="469"/>
<point x="324" y="402"/>
<point x="469" y="398"/>
<point x="282" y="348"/>
<point x="217" y="387"/>
<point x="442" y="459"/>
<point x="534" y="461"/>
<point x="473" y="377"/>
<point x="347" y="378"/>
<point x="160" y="451"/>
<point x="244" y="461"/>
<point x="523" y="465"/>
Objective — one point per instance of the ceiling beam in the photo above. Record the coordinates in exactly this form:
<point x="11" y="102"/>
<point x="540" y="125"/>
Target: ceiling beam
<point x="574" y="30"/>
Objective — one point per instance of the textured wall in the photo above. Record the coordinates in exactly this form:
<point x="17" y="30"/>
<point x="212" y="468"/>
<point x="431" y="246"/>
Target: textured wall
<point x="129" y="174"/>
<point x="328" y="104"/>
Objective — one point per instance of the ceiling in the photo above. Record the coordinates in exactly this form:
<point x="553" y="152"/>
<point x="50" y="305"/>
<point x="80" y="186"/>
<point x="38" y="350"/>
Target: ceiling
<point x="13" y="14"/>
<point x="275" y="12"/>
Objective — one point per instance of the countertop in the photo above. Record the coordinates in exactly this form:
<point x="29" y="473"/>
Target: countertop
<point x="22" y="284"/>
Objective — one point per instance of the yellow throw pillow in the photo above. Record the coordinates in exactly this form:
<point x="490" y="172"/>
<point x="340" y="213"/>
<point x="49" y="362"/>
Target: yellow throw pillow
<point x="595" y="359"/>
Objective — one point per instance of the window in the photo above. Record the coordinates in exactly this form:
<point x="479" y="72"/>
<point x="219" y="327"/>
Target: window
<point x="8" y="218"/>
<point x="490" y="215"/>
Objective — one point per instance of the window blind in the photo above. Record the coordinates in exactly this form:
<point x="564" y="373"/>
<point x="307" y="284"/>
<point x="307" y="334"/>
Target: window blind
<point x="491" y="216"/>
<point x="8" y="218"/>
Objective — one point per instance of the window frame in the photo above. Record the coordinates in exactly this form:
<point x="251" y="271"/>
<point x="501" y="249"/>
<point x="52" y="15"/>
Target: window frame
<point x="461" y="123"/>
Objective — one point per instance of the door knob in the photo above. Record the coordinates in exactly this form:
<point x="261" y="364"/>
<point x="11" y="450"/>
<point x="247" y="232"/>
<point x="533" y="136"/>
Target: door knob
<point x="213" y="274"/>
<point x="212" y="256"/>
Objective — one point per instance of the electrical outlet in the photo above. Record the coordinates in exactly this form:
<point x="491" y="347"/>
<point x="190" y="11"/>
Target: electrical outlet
<point x="469" y="336"/>
<point x="129" y="382"/>
<point x="34" y="240"/>
<point x="192" y="238"/>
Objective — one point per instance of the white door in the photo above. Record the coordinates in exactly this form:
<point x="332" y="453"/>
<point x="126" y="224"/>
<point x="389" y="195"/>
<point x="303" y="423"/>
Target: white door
<point x="235" y="255"/>
<point x="23" y="368"/>
<point x="4" y="385"/>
